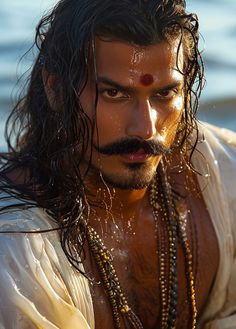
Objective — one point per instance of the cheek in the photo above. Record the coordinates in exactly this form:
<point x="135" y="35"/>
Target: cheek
<point x="110" y="122"/>
<point x="168" y="125"/>
<point x="179" y="104"/>
<point x="170" y="113"/>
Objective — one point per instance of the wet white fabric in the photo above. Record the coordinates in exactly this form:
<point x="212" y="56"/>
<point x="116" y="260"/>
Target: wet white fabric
<point x="219" y="192"/>
<point x="40" y="289"/>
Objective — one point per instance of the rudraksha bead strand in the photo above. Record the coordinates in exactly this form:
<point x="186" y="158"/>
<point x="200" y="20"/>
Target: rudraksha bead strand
<point x="160" y="190"/>
<point x="117" y="299"/>
<point x="189" y="272"/>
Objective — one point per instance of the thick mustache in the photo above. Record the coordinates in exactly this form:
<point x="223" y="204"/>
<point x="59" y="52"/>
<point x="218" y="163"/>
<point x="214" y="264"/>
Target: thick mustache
<point x="125" y="146"/>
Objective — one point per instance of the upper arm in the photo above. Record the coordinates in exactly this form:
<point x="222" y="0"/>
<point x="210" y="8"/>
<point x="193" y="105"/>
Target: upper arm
<point x="33" y="291"/>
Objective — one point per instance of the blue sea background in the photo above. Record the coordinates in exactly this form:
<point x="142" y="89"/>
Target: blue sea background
<point x="18" y="19"/>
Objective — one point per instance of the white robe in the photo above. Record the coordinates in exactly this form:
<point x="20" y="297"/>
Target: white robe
<point x="40" y="289"/>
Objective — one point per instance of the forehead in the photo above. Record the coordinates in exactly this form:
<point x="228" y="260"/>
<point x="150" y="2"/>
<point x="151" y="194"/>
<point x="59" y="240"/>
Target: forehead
<point x="121" y="60"/>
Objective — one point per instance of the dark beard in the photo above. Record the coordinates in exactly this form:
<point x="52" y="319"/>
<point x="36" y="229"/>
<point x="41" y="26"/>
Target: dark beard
<point x="136" y="179"/>
<point x="138" y="175"/>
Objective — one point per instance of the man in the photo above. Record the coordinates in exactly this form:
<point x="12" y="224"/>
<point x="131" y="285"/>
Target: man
<point x="117" y="207"/>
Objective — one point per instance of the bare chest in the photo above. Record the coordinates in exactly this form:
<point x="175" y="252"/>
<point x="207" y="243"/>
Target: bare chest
<point x="137" y="264"/>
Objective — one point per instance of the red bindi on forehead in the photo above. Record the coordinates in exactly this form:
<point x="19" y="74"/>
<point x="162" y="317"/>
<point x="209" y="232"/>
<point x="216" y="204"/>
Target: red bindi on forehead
<point x="146" y="79"/>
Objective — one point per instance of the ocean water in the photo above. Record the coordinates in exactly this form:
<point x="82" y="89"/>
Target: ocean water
<point x="18" y="19"/>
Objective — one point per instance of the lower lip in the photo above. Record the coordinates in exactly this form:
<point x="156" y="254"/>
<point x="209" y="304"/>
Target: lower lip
<point x="136" y="157"/>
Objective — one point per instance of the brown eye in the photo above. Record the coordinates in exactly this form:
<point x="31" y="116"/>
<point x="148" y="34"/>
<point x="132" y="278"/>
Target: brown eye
<point x="112" y="92"/>
<point x="166" y="94"/>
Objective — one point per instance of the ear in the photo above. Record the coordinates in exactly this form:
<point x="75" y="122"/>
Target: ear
<point x="50" y="83"/>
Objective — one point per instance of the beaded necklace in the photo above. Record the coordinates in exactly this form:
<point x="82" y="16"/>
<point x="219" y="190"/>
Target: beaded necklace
<point x="174" y="229"/>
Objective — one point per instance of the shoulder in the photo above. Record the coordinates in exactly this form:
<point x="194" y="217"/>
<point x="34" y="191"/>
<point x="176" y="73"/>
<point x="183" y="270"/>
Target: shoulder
<point x="215" y="154"/>
<point x="18" y="215"/>
<point x="216" y="159"/>
<point x="218" y="140"/>
<point x="224" y="134"/>
<point x="35" y="274"/>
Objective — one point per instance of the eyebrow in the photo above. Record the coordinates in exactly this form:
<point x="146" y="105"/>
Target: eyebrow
<point x="112" y="83"/>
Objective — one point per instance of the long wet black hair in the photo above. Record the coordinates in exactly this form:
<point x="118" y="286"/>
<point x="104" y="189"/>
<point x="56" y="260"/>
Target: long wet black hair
<point x="41" y="139"/>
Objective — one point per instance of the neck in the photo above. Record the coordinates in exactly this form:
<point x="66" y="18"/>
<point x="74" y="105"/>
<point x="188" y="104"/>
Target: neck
<point x="109" y="202"/>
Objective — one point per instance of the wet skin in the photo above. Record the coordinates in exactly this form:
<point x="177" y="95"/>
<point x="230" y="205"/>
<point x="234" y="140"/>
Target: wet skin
<point x="133" y="245"/>
<point x="128" y="108"/>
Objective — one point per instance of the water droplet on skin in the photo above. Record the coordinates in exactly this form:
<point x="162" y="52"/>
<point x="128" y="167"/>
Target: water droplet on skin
<point x="137" y="55"/>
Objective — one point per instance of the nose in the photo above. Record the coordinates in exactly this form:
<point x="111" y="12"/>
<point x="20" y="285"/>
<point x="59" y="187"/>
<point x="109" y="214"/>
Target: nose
<point x="143" y="121"/>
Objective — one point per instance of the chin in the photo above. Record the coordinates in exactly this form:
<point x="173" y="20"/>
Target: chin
<point x="135" y="178"/>
<point x="128" y="185"/>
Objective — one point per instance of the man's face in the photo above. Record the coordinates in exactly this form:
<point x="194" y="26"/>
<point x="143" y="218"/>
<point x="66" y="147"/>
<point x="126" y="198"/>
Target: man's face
<point x="140" y="101"/>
